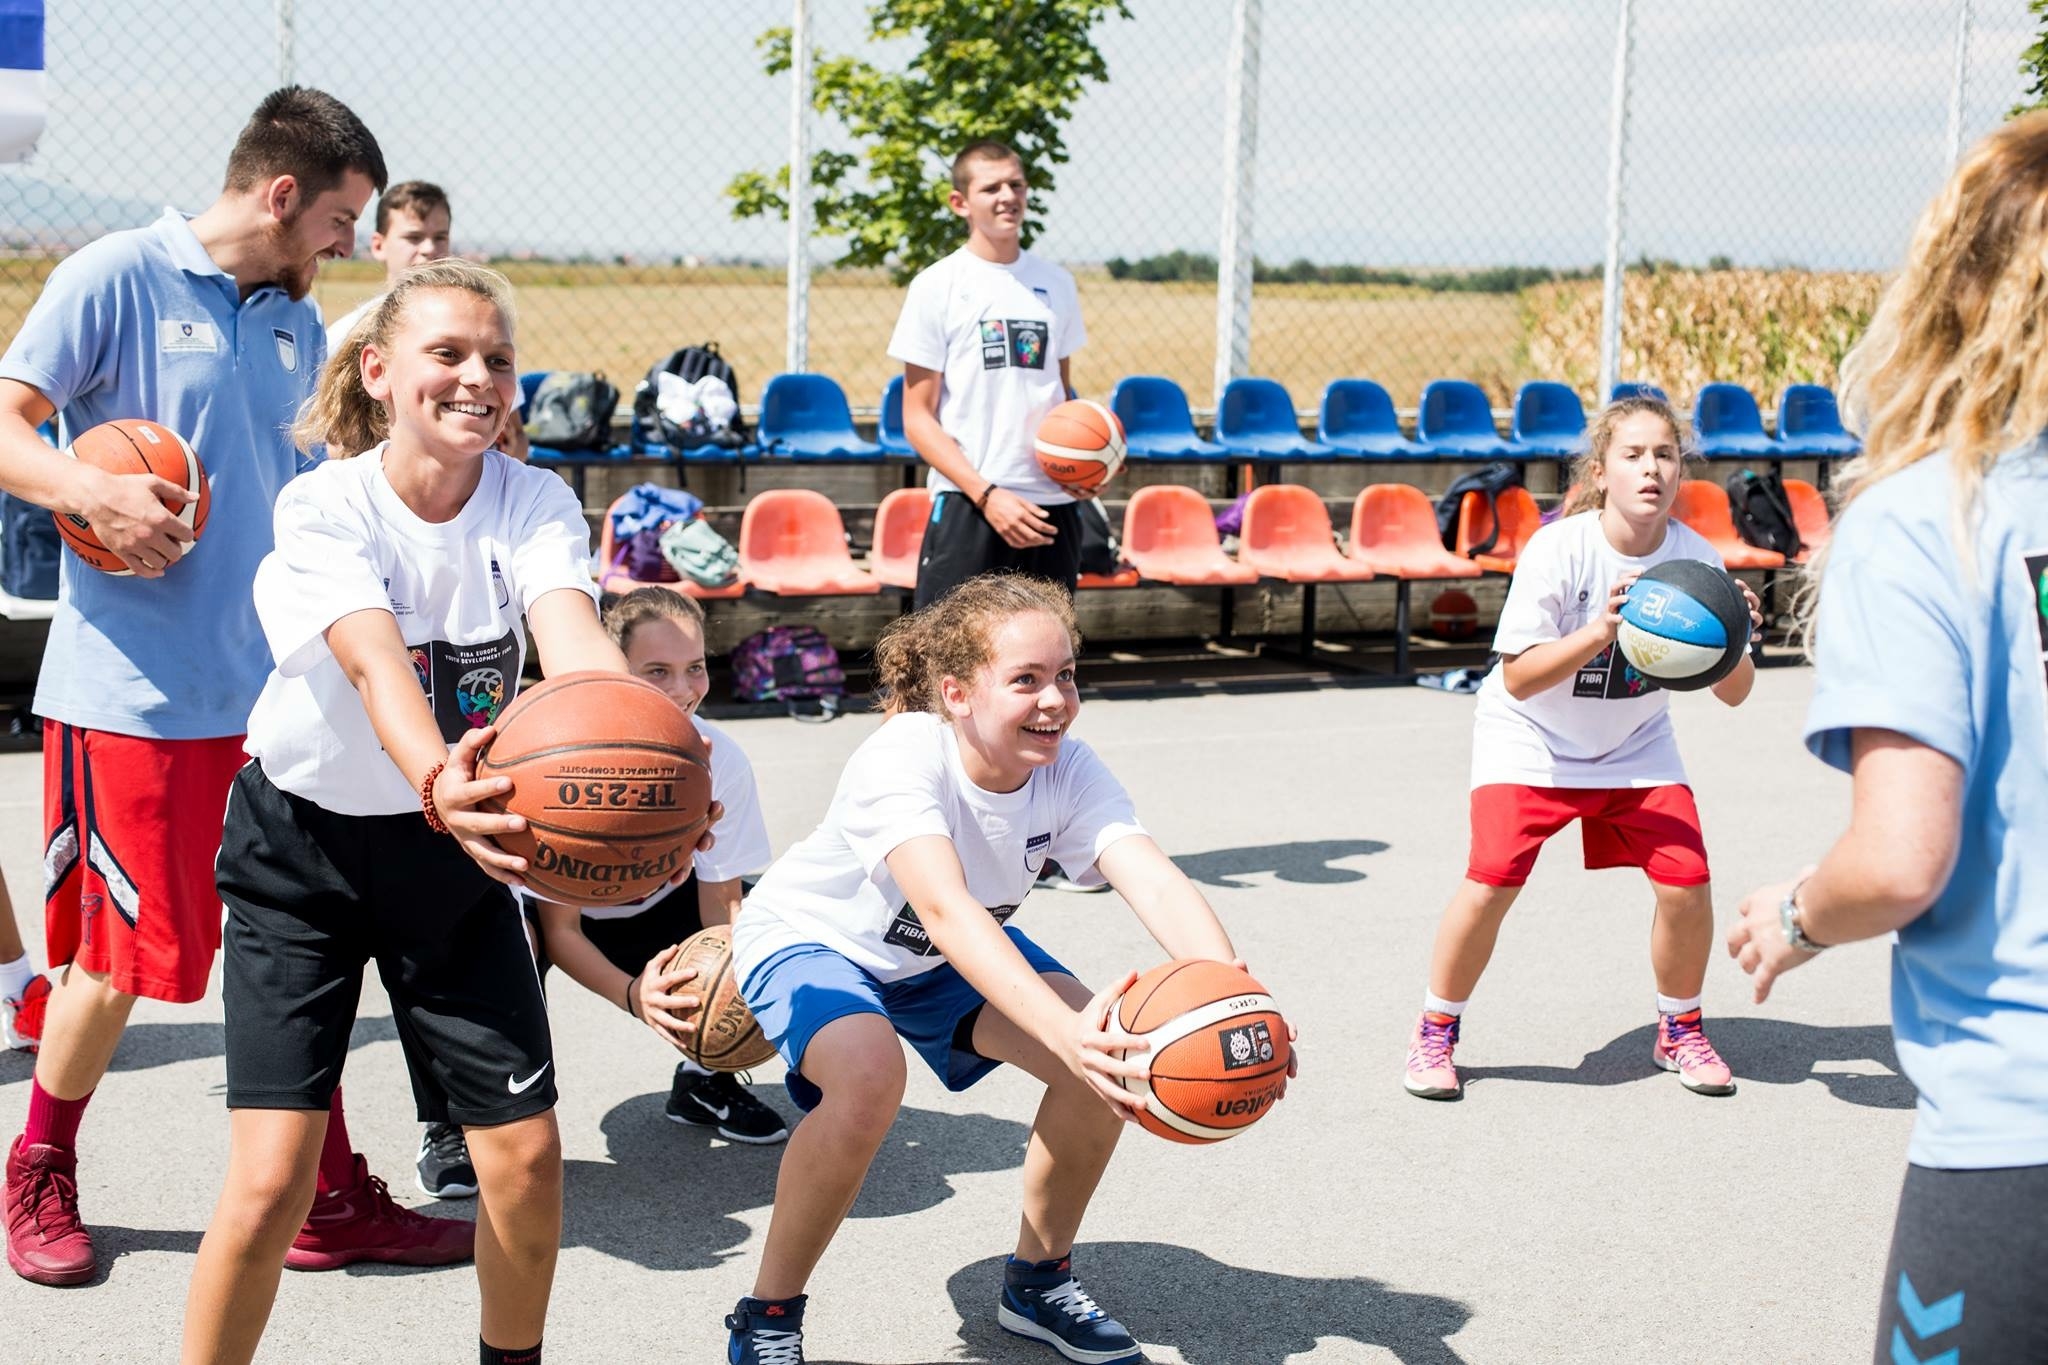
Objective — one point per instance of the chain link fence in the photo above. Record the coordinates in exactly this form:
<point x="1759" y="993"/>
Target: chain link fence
<point x="1429" y="192"/>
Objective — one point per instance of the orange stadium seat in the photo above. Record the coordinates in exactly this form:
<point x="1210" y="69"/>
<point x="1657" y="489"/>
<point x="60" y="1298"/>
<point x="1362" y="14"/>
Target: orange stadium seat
<point x="1518" y="521"/>
<point x="1170" y="534"/>
<point x="899" y="535"/>
<point x="1810" y="515"/>
<point x="793" y="544"/>
<point x="611" y="580"/>
<point x="1393" y="531"/>
<point x="1287" y="536"/>
<point x="1703" y="505"/>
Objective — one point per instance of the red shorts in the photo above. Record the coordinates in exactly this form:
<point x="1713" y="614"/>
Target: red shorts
<point x="1654" y="828"/>
<point x="131" y="830"/>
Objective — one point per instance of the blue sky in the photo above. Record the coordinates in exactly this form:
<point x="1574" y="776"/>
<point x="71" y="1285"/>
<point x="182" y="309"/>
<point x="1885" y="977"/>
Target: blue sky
<point x="1462" y="132"/>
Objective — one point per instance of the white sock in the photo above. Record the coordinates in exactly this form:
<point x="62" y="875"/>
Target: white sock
<point x="15" y="976"/>
<point x="690" y="1068"/>
<point x="1671" y="1004"/>
<point x="1439" y="1005"/>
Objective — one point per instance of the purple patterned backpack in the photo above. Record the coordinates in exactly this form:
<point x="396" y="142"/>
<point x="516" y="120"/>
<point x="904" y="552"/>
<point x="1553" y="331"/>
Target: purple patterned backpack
<point x="790" y="664"/>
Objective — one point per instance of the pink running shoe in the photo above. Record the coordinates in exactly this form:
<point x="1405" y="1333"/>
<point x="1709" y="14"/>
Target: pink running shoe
<point x="362" y="1223"/>
<point x="21" y="1017"/>
<point x="1430" y="1073"/>
<point x="1682" y="1046"/>
<point x="46" y="1242"/>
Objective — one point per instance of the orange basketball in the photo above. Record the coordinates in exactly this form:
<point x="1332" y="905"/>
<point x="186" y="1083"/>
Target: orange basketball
<point x="1453" y="615"/>
<point x="727" y="1037"/>
<point x="1219" y="1049"/>
<point x="1080" y="446"/>
<point x="128" y="446"/>
<point x="614" y="782"/>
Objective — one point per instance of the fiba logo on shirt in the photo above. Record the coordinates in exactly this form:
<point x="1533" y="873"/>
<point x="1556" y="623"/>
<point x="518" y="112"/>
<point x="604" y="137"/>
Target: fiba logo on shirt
<point x="480" y="695"/>
<point x="1246" y="1045"/>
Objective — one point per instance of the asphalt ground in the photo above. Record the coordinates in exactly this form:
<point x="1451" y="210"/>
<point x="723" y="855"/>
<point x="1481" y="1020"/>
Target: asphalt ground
<point x="1577" y="1205"/>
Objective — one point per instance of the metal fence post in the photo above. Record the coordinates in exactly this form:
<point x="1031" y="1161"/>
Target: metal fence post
<point x="1957" y="83"/>
<point x="287" y="30"/>
<point x="1234" y="254"/>
<point x="1617" y="160"/>
<point x="796" y="354"/>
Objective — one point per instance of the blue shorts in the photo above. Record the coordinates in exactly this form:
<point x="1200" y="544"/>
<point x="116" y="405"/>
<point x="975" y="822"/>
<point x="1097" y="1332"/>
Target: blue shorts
<point x="805" y="987"/>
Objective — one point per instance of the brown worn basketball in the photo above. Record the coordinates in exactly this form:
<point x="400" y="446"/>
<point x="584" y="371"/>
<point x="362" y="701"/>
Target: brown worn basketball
<point x="129" y="446"/>
<point x="614" y="782"/>
<point x="1080" y="446"/>
<point x="1219" y="1049"/>
<point x="727" y="1037"/>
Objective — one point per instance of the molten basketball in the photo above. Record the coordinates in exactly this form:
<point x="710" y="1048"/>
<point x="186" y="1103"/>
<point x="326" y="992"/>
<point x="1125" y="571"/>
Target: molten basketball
<point x="727" y="1037"/>
<point x="1453" y="615"/>
<point x="1080" y="446"/>
<point x="128" y="446"/>
<point x="1219" y="1049"/>
<point x="614" y="782"/>
<point x="1684" y="625"/>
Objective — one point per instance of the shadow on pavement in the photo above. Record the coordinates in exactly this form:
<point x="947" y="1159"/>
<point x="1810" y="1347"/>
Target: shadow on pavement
<point x="1759" y="1051"/>
<point x="1306" y="862"/>
<point x="1217" y="1314"/>
<point x="111" y="1242"/>
<point x="667" y="1198"/>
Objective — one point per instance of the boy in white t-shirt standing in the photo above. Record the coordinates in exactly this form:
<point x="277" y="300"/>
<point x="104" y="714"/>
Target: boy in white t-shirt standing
<point x="411" y="228"/>
<point x="985" y="337"/>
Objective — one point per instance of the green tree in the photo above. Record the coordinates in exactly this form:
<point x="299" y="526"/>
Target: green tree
<point x="2034" y="62"/>
<point x="986" y="69"/>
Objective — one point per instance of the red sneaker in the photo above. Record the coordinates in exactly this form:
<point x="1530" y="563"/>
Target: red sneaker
<point x="362" y="1223"/>
<point x="21" y="1017"/>
<point x="46" y="1244"/>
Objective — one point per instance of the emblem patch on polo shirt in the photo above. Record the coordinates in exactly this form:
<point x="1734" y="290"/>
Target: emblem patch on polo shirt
<point x="173" y="335"/>
<point x="287" y="350"/>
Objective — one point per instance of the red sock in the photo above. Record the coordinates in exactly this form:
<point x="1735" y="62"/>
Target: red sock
<point x="52" y="1120"/>
<point x="337" y="1157"/>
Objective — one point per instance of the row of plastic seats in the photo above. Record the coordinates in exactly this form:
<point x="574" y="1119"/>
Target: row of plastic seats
<point x="1701" y="504"/>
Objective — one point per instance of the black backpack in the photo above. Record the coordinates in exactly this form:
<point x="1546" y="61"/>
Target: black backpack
<point x="1763" y="514"/>
<point x="572" y="410"/>
<point x="1100" y="552"/>
<point x="1490" y="483"/>
<point x="690" y="364"/>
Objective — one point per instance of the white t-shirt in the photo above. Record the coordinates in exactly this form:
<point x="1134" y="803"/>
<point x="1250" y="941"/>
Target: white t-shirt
<point x="338" y="330"/>
<point x="997" y="333"/>
<point x="905" y="781"/>
<point x="1604" y="727"/>
<point x="345" y="543"/>
<point x="742" y="847"/>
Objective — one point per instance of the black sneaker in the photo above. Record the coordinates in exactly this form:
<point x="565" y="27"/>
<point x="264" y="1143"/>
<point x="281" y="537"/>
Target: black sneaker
<point x="766" y="1333"/>
<point x="1045" y="1302"/>
<point x="718" y="1101"/>
<point x="444" y="1168"/>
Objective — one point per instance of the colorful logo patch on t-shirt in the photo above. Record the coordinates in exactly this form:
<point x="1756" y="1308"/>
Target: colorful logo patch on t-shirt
<point x="467" y="685"/>
<point x="1014" y="343"/>
<point x="907" y="931"/>
<point x="1600" y="679"/>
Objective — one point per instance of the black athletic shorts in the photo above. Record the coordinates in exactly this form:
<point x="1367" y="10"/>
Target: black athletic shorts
<point x="629" y="941"/>
<point x="959" y="543"/>
<point x="1965" y="1279"/>
<point x="311" y="898"/>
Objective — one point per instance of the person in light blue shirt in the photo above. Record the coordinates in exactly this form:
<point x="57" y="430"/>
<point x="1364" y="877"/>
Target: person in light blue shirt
<point x="1931" y="690"/>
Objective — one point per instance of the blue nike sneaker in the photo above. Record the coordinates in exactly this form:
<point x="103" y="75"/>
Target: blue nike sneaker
<point x="765" y="1333"/>
<point x="1046" y="1303"/>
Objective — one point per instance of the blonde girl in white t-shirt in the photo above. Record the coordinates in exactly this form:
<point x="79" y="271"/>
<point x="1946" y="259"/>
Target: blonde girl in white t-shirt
<point x="392" y="604"/>
<point x="1565" y="730"/>
<point x="888" y="922"/>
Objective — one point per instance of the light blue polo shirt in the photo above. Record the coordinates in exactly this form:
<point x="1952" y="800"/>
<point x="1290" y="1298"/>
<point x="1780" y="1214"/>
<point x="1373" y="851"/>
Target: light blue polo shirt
<point x="1952" y="651"/>
<point x="143" y="324"/>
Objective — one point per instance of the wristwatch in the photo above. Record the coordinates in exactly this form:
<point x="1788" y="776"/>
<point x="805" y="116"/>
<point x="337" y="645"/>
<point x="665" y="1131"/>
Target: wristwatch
<point x="1788" y="920"/>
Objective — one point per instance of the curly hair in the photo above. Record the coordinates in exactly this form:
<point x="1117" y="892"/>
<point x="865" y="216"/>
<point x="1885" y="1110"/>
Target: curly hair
<point x="954" y="637"/>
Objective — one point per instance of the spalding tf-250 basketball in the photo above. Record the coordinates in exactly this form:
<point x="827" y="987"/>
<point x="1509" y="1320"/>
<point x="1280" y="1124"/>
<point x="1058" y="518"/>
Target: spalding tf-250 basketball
<point x="130" y="446"/>
<point x="727" y="1037"/>
<point x="1684" y="625"/>
<point x="1219" y="1049"/>
<point x="1080" y="446"/>
<point x="613" y="780"/>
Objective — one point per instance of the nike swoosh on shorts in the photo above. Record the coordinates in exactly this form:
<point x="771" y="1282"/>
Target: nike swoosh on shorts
<point x="519" y="1087"/>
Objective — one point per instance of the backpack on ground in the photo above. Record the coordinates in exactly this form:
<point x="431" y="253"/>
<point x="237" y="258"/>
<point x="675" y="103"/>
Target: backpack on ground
<point x="1100" y="551"/>
<point x="572" y="410"/>
<point x="1763" y="514"/>
<point x="790" y="664"/>
<point x="699" y="553"/>
<point x="690" y="364"/>
<point x="29" y="549"/>
<point x="1489" y="483"/>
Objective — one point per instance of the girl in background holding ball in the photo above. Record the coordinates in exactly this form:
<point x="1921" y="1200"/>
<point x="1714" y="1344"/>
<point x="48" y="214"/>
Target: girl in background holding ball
<point x="889" y="921"/>
<point x="1565" y="730"/>
<point x="392" y="605"/>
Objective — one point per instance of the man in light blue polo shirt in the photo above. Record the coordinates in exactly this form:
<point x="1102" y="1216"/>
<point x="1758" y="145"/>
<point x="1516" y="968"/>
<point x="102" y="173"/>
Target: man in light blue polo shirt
<point x="202" y="325"/>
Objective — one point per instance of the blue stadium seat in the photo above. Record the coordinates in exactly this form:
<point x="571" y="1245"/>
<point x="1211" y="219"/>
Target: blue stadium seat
<point x="890" y="428"/>
<point x="1810" y="424"/>
<point x="1358" y="418"/>
<point x="1256" y="419"/>
<point x="1549" y="420"/>
<point x="1636" y="388"/>
<point x="1456" y="420"/>
<point x="1727" y="425"/>
<point x="1157" y="423"/>
<point x="805" y="416"/>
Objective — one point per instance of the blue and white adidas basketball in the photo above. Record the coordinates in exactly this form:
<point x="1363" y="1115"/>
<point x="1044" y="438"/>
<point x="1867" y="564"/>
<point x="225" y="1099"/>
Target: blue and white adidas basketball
<point x="1685" y="625"/>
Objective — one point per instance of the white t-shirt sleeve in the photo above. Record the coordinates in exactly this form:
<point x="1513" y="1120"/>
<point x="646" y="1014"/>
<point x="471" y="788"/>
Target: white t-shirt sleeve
<point x="742" y="848"/>
<point x="1096" y="812"/>
<point x="552" y="547"/>
<point x="1534" y="611"/>
<point x="1073" y="331"/>
<point x="321" y="570"/>
<point x="920" y="335"/>
<point x="893" y="792"/>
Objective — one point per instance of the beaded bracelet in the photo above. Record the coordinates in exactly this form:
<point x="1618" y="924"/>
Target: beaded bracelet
<point x="427" y="799"/>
